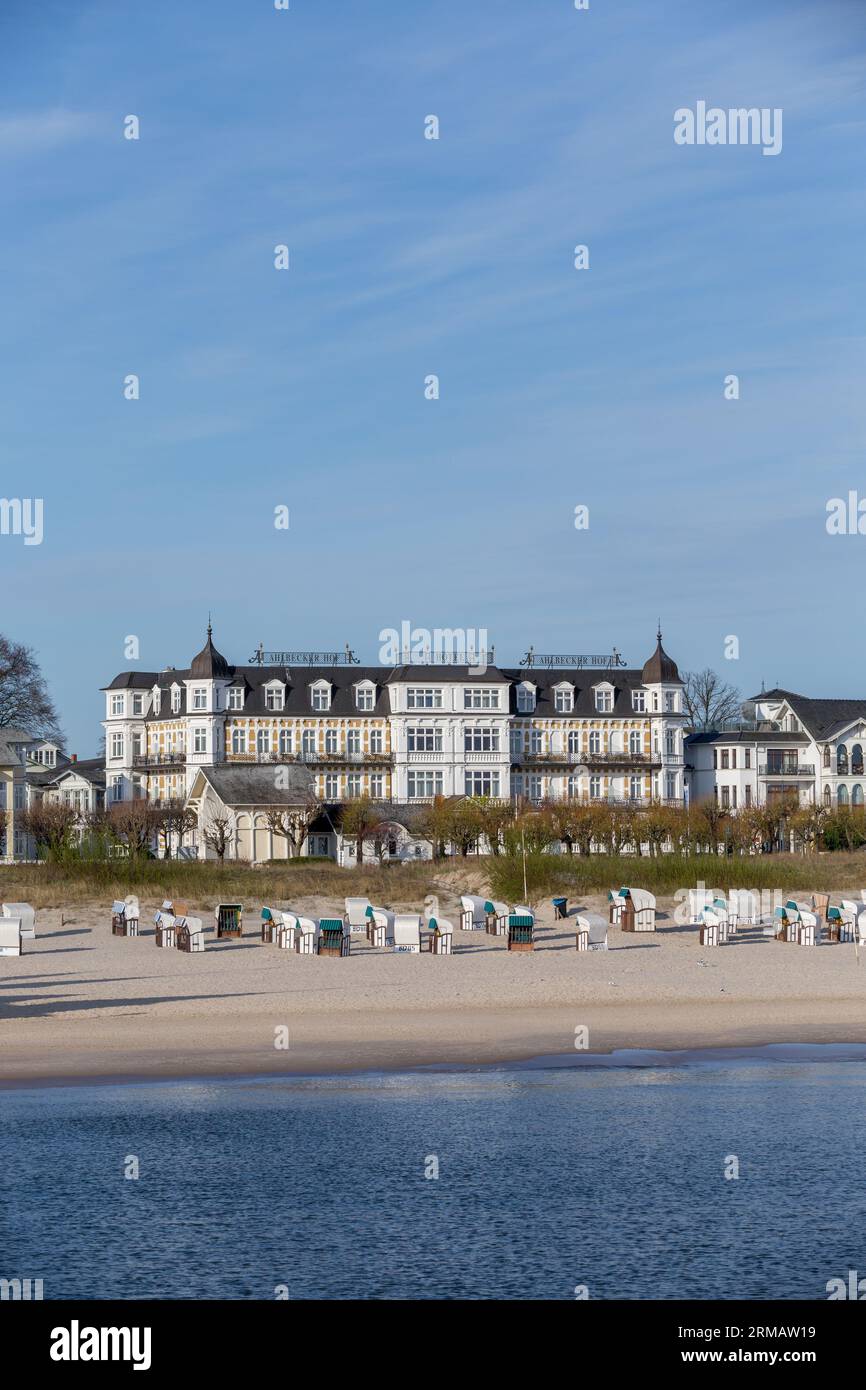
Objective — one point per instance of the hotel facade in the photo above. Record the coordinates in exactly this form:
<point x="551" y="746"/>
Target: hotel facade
<point x="401" y="735"/>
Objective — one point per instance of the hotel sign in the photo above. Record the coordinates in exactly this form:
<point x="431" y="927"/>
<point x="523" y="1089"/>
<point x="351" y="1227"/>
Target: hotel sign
<point x="595" y="663"/>
<point x="344" y="658"/>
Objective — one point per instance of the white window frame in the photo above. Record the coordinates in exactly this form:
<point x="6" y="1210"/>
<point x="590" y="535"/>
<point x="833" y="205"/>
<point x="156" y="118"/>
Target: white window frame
<point x="480" y="739"/>
<point x="320" y="697"/>
<point x="429" y="780"/>
<point x="481" y="697"/>
<point x="482" y="782"/>
<point x="423" y="738"/>
<point x="423" y="697"/>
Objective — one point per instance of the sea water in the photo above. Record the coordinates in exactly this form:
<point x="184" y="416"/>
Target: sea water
<point x="733" y="1176"/>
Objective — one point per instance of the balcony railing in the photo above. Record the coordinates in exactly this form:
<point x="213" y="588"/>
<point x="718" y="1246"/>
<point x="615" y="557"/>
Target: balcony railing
<point x="606" y="759"/>
<point x="786" y="770"/>
<point x="314" y="759"/>
<point x="159" y="759"/>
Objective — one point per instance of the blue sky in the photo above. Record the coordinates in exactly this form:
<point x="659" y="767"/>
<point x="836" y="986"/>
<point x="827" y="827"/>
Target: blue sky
<point x="411" y="257"/>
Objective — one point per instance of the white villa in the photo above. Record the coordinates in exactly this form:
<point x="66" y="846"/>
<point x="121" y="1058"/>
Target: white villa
<point x="789" y="745"/>
<point x="33" y="768"/>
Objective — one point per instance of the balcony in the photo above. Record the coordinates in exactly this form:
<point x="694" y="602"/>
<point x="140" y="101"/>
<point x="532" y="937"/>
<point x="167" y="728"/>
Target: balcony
<point x="158" y="759"/>
<point x="786" y="770"/>
<point x="573" y="759"/>
<point x="309" y="759"/>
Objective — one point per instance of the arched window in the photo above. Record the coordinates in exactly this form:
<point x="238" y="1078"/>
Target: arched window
<point x="827" y="756"/>
<point x="842" y="759"/>
<point x="826" y="796"/>
<point x="857" y="759"/>
<point x="857" y="795"/>
<point x="842" y="796"/>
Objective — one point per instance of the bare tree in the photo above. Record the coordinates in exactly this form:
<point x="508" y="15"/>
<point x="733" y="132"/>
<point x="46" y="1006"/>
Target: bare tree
<point x="709" y="701"/>
<point x="384" y="833"/>
<point x="24" y="699"/>
<point x="217" y="834"/>
<point x="177" y="819"/>
<point x="293" y="823"/>
<point x="361" y="820"/>
<point x="135" y="824"/>
<point x="51" y="823"/>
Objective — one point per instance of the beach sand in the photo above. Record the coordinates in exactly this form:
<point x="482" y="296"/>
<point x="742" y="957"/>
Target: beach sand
<point x="84" y="1005"/>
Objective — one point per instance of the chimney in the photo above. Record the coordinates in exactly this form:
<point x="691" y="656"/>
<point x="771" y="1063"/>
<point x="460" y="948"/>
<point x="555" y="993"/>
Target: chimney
<point x="73" y="757"/>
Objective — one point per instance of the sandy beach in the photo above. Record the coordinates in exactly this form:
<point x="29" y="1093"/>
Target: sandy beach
<point x="84" y="1005"/>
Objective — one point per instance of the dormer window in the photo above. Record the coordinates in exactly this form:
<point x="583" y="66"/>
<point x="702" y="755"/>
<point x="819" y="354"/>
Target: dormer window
<point x="157" y="700"/>
<point x="525" y="699"/>
<point x="365" y="697"/>
<point x="563" y="699"/>
<point x="275" y="696"/>
<point x="235" y="697"/>
<point x="604" y="699"/>
<point x="321" y="696"/>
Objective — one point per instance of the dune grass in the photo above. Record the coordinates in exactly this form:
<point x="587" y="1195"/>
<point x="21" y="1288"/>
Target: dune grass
<point x="204" y="884"/>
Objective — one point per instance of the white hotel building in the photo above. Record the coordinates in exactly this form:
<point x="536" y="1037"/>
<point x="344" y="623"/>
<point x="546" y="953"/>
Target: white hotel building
<point x="554" y="727"/>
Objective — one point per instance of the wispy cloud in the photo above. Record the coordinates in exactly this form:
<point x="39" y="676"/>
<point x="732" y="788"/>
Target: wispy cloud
<point x="32" y="131"/>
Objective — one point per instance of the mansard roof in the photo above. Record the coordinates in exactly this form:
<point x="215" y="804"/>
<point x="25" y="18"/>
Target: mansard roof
<point x="435" y="673"/>
<point x="547" y="678"/>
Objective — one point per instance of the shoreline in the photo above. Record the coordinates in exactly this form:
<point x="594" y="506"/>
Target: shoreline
<point x="431" y="1040"/>
<point x="84" y="1006"/>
